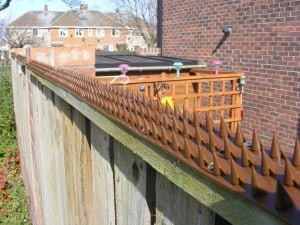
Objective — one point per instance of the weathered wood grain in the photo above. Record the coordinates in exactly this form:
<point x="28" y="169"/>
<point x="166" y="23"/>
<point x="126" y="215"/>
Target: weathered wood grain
<point x="103" y="178"/>
<point x="130" y="184"/>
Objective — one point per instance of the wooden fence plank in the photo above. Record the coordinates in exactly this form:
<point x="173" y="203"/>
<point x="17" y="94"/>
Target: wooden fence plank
<point x="176" y="207"/>
<point x="103" y="178"/>
<point x="130" y="184"/>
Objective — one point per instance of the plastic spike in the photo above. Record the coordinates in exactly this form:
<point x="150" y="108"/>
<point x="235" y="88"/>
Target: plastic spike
<point x="267" y="165"/>
<point x="175" y="143"/>
<point x="187" y="148"/>
<point x="164" y="136"/>
<point x="202" y="157"/>
<point x="157" y="118"/>
<point x="276" y="151"/>
<point x="175" y="126"/>
<point x="132" y="119"/>
<point x="186" y="131"/>
<point x="149" y="113"/>
<point x="165" y="121"/>
<point x="259" y="187"/>
<point x="196" y="118"/>
<point x="146" y="127"/>
<point x="185" y="113"/>
<point x="212" y="142"/>
<point x="234" y="173"/>
<point x="159" y="107"/>
<point x="209" y="123"/>
<point x="296" y="155"/>
<point x="154" y="131"/>
<point x="151" y="103"/>
<point x="291" y="175"/>
<point x="228" y="149"/>
<point x="199" y="138"/>
<point x="255" y="143"/>
<point x="218" y="167"/>
<point x="245" y="157"/>
<point x="239" y="139"/>
<point x="223" y="128"/>
<point x="140" y="123"/>
<point x="282" y="199"/>
<point x="176" y="112"/>
<point x="168" y="109"/>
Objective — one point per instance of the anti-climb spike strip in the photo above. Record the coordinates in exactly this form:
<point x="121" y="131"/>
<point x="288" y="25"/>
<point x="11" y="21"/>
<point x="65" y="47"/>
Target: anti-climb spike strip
<point x="255" y="143"/>
<point x="291" y="175"/>
<point x="276" y="151"/>
<point x="282" y="199"/>
<point x="209" y="153"/>
<point x="296" y="155"/>
<point x="259" y="186"/>
<point x="239" y="139"/>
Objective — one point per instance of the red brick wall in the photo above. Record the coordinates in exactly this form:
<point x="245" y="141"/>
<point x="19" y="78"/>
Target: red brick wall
<point x="265" y="44"/>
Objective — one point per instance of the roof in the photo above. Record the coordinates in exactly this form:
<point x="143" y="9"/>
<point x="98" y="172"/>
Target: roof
<point x="36" y="19"/>
<point x="89" y="18"/>
<point x="73" y="18"/>
<point x="109" y="61"/>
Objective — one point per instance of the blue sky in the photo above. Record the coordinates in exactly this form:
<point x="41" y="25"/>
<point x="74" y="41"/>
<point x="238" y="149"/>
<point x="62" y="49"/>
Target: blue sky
<point x="19" y="7"/>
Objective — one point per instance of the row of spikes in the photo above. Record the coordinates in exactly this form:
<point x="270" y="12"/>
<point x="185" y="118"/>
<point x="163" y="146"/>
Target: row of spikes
<point x="137" y="105"/>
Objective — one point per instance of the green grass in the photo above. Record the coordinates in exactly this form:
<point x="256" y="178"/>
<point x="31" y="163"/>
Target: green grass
<point x="13" y="200"/>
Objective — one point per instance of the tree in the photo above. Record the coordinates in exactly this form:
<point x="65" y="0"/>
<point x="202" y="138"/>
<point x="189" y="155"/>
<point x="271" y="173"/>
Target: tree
<point x="141" y="15"/>
<point x="18" y="38"/>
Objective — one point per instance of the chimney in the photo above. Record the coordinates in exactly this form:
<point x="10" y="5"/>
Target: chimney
<point x="46" y="8"/>
<point x="83" y="7"/>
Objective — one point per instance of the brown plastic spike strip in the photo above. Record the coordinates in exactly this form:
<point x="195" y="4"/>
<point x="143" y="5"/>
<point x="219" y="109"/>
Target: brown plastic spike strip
<point x="255" y="172"/>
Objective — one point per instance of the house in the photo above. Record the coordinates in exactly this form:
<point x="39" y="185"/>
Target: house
<point x="263" y="43"/>
<point x="82" y="27"/>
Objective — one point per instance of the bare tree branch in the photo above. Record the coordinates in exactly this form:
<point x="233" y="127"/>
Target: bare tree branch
<point x="141" y="16"/>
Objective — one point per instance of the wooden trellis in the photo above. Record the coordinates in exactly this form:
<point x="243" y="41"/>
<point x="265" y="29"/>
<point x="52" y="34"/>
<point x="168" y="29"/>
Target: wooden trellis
<point x="199" y="90"/>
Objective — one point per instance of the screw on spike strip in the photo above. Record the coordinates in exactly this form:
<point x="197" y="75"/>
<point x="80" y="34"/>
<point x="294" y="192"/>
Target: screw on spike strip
<point x="203" y="156"/>
<point x="229" y="149"/>
<point x="259" y="186"/>
<point x="209" y="123"/>
<point x="255" y="143"/>
<point x="267" y="165"/>
<point x="187" y="148"/>
<point x="247" y="157"/>
<point x="164" y="136"/>
<point x="196" y="118"/>
<point x="219" y="167"/>
<point x="239" y="137"/>
<point x="296" y="155"/>
<point x="154" y="131"/>
<point x="237" y="173"/>
<point x="291" y="175"/>
<point x="282" y="199"/>
<point x="175" y="143"/>
<point x="276" y="151"/>
<point x="212" y="141"/>
<point x="199" y="138"/>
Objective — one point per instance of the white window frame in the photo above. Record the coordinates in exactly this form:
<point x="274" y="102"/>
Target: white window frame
<point x="100" y="32"/>
<point x="90" y="32"/>
<point x="63" y="32"/>
<point x="110" y="48"/>
<point x="79" y="32"/>
<point x="115" y="32"/>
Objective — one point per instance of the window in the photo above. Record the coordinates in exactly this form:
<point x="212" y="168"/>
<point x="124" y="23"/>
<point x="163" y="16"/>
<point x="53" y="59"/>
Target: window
<point x="106" y="48"/>
<point x="136" y="33"/>
<point x="90" y="32"/>
<point x="63" y="32"/>
<point x="37" y="32"/>
<point x="79" y="32"/>
<point x="115" y="32"/>
<point x="100" y="32"/>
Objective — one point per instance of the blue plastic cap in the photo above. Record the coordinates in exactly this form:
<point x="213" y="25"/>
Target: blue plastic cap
<point x="177" y="64"/>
